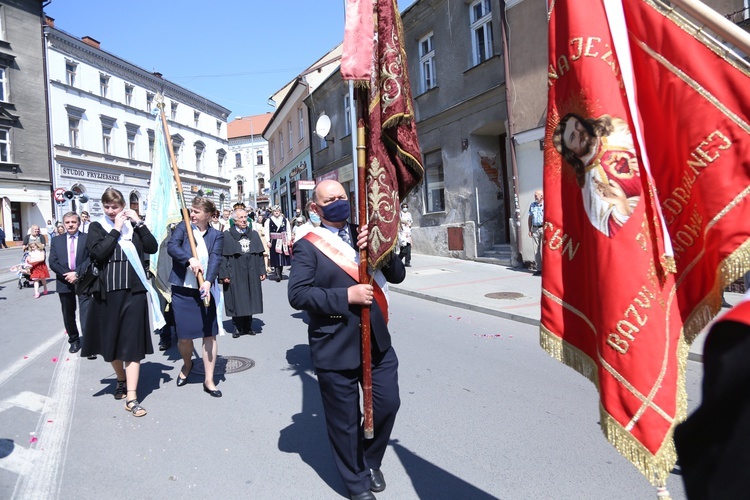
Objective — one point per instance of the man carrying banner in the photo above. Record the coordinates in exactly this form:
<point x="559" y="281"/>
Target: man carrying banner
<point x="323" y="282"/>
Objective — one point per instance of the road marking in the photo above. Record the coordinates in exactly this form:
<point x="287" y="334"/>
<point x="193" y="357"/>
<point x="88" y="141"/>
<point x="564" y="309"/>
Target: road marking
<point x="27" y="400"/>
<point x="19" y="365"/>
<point x="45" y="477"/>
<point x="18" y="459"/>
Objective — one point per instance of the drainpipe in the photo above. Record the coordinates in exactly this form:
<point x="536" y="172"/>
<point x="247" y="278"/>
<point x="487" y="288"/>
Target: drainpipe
<point x="511" y="130"/>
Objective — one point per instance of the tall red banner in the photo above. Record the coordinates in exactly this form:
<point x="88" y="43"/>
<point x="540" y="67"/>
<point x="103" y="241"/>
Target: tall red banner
<point x="613" y="306"/>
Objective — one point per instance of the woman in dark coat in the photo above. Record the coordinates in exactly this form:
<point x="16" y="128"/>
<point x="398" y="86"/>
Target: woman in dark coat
<point x="193" y="319"/>
<point x="118" y="321"/>
<point x="242" y="270"/>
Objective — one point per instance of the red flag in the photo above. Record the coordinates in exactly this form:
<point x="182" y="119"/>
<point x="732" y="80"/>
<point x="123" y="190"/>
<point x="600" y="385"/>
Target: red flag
<point x="609" y="309"/>
<point x="393" y="164"/>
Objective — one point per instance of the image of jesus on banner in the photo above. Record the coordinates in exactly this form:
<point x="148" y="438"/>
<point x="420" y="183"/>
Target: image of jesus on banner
<point x="603" y="158"/>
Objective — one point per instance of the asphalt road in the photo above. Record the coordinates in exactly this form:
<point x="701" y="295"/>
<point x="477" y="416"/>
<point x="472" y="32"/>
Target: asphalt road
<point x="485" y="414"/>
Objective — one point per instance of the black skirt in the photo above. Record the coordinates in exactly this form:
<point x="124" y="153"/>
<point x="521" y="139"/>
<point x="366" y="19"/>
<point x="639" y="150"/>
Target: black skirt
<point x="193" y="320"/>
<point x="118" y="328"/>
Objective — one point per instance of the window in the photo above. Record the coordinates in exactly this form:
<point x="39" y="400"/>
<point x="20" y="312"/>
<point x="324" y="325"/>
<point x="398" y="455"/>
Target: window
<point x="131" y="145"/>
<point x="173" y="114"/>
<point x="289" y="130"/>
<point x="481" y="30"/>
<point x="3" y="85"/>
<point x="259" y="157"/>
<point x="151" y="146"/>
<point x="134" y="202"/>
<point x="434" y="182"/>
<point x="149" y="101"/>
<point x="70" y="73"/>
<point x="271" y="151"/>
<point x="301" y="117"/>
<point x="106" y="139"/>
<point x="74" y="132"/>
<point x="128" y="94"/>
<point x="4" y="145"/>
<point x="261" y="184"/>
<point x="220" y="155"/>
<point x="240" y="190"/>
<point x="218" y="127"/>
<point x="427" y="63"/>
<point x="347" y="116"/>
<point x="103" y="85"/>
<point x="238" y="160"/>
<point x="196" y="118"/>
<point x="281" y="145"/>
<point x="199" y="148"/>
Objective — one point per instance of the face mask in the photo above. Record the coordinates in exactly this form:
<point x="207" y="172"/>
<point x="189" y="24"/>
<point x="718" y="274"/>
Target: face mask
<point x="314" y="218"/>
<point x="338" y="211"/>
<point x="404" y="209"/>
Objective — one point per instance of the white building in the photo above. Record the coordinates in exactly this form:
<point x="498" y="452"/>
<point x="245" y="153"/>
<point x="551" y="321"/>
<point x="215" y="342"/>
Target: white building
<point x="248" y="155"/>
<point x="102" y="128"/>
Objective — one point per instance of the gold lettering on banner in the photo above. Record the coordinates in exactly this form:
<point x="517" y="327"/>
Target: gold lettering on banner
<point x="582" y="48"/>
<point x="701" y="157"/>
<point x="560" y="242"/>
<point x="688" y="234"/>
<point x="632" y="323"/>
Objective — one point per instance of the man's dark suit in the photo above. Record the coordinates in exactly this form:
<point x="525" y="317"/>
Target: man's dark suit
<point x="317" y="285"/>
<point x="58" y="262"/>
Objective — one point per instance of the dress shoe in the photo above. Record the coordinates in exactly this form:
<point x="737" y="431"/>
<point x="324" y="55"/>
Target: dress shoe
<point x="251" y="332"/>
<point x="75" y="346"/>
<point x="93" y="356"/>
<point x="182" y="381"/>
<point x="537" y="273"/>
<point x="377" y="481"/>
<point x="164" y="345"/>
<point x="216" y="393"/>
<point x="236" y="335"/>
<point x="365" y="495"/>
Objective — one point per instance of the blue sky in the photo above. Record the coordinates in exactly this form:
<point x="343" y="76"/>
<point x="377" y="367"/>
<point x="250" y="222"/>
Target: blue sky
<point x="235" y="52"/>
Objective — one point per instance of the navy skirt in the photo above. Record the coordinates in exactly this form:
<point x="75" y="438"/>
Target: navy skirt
<point x="193" y="320"/>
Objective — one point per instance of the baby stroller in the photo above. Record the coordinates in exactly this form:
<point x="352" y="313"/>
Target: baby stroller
<point x="23" y="270"/>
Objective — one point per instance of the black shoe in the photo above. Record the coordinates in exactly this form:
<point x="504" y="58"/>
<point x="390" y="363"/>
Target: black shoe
<point x="93" y="356"/>
<point x="377" y="481"/>
<point x="251" y="332"/>
<point x="165" y="344"/>
<point x="216" y="393"/>
<point x="75" y="346"/>
<point x="365" y="495"/>
<point x="537" y="273"/>
<point x="407" y="265"/>
<point x="182" y="381"/>
<point x="724" y="303"/>
<point x="236" y="335"/>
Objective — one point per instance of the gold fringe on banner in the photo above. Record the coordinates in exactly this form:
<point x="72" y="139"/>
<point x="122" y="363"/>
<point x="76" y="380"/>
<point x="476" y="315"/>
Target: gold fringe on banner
<point x="656" y="468"/>
<point x="736" y="265"/>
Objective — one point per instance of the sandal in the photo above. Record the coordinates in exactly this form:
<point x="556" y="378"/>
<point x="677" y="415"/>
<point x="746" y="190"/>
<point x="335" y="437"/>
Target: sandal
<point x="120" y="390"/>
<point x="134" y="407"/>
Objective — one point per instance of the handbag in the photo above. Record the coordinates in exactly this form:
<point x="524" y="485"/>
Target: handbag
<point x="88" y="282"/>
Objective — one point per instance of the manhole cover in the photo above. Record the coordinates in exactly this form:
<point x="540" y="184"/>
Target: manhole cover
<point x="504" y="295"/>
<point x="225" y="364"/>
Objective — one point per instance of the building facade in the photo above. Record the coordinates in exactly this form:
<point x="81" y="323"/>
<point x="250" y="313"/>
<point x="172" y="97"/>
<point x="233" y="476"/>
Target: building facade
<point x="463" y="206"/>
<point x="25" y="181"/>
<point x="248" y="154"/>
<point x="288" y="136"/>
<point x="103" y="114"/>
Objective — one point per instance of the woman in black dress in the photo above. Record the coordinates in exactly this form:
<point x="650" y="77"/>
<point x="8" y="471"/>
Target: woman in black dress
<point x="118" y="322"/>
<point x="193" y="319"/>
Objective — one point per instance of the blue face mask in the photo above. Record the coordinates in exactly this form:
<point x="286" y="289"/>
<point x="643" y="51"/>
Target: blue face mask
<point x="338" y="211"/>
<point x="314" y="218"/>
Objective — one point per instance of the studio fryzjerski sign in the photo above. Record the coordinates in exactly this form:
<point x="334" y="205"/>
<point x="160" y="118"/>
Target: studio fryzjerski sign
<point x="82" y="174"/>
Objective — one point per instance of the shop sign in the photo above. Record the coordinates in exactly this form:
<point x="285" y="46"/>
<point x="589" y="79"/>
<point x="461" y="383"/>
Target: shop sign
<point x="80" y="173"/>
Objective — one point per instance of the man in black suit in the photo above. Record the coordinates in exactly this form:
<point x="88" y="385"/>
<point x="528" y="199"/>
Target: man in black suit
<point x="67" y="258"/>
<point x="323" y="282"/>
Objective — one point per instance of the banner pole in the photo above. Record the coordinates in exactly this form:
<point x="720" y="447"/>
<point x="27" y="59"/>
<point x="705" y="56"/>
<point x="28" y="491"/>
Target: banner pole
<point x="180" y="196"/>
<point x="363" y="276"/>
<point x="722" y="26"/>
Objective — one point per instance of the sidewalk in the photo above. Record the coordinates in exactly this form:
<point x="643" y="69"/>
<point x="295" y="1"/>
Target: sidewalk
<point x="501" y="291"/>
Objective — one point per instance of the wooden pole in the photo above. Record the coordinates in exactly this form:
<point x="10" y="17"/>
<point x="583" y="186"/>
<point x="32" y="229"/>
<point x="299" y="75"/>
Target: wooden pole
<point x="364" y="278"/>
<point x="181" y="196"/>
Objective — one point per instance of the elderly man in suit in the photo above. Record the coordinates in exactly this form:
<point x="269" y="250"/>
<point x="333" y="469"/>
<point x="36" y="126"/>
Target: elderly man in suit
<point x="323" y="282"/>
<point x="68" y="258"/>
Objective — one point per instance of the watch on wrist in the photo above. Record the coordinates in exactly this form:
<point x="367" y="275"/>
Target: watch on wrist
<point x="140" y="223"/>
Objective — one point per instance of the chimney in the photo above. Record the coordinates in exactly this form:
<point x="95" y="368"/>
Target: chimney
<point x="49" y="21"/>
<point x="91" y="42"/>
<point x="157" y="74"/>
